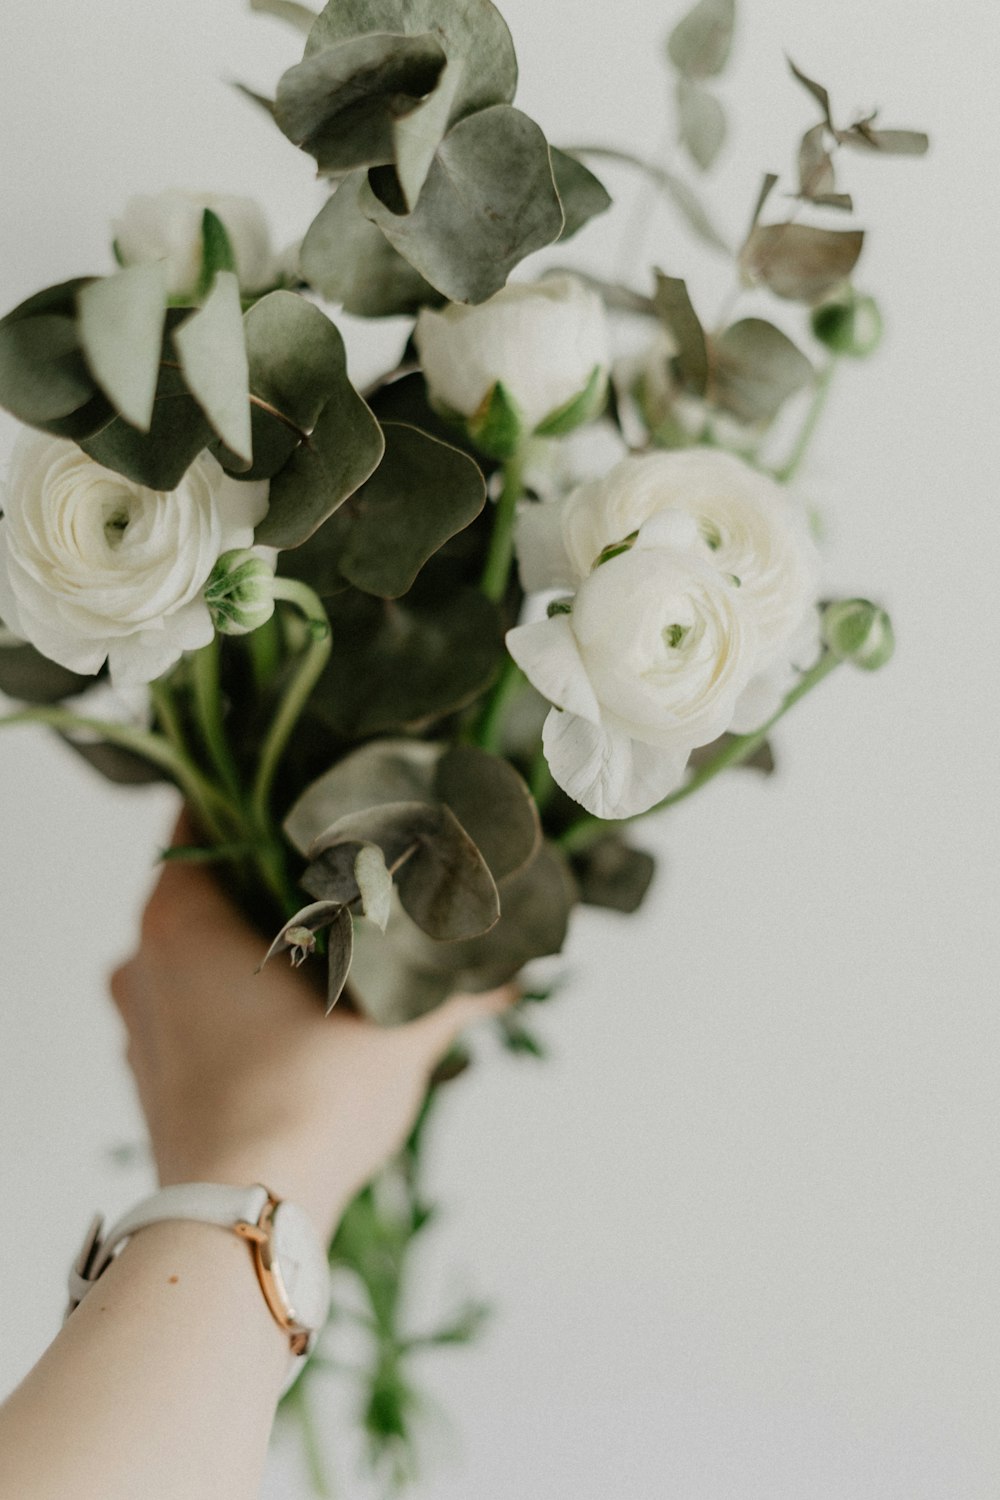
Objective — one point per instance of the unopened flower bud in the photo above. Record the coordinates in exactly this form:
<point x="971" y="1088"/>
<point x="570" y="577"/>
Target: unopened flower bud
<point x="240" y="592"/>
<point x="858" y="631"/>
<point x="848" y="323"/>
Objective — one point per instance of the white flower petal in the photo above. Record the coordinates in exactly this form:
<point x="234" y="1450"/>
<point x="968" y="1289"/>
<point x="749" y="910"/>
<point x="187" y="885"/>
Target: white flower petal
<point x="605" y="770"/>
<point x="547" y="653"/>
<point x="542" y="559"/>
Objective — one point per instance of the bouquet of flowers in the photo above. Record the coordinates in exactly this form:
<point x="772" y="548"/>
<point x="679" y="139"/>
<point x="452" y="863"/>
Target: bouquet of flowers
<point x="419" y="657"/>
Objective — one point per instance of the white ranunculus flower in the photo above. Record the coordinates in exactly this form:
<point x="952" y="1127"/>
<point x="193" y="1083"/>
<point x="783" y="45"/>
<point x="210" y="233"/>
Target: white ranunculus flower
<point x="166" y="227"/>
<point x="541" y="341"/>
<point x="94" y="567"/>
<point x="688" y="631"/>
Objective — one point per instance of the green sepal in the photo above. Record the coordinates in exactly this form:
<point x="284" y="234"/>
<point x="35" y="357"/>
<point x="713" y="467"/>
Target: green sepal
<point x="497" y="427"/>
<point x="217" y="253"/>
<point x="581" y="409"/>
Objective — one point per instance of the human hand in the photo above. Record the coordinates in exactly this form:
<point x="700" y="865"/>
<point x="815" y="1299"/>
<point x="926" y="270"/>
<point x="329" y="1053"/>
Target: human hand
<point x="241" y="1076"/>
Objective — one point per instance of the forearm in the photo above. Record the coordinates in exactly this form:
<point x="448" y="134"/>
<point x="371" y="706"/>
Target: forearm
<point x="163" y="1383"/>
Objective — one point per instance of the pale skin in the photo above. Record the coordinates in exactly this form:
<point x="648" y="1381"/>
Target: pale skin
<point x="164" y="1382"/>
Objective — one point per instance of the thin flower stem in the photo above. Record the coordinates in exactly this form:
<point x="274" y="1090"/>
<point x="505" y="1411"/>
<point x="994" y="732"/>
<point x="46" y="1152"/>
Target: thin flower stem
<point x="486" y="733"/>
<point x="208" y="706"/>
<point x="501" y="553"/>
<point x="210" y="806"/>
<point x="586" y="830"/>
<point x="264" y="645"/>
<point x="791" y="467"/>
<point x="313" y="661"/>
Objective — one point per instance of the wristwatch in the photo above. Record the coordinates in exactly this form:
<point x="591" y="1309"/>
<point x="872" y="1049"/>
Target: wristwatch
<point x="288" y="1255"/>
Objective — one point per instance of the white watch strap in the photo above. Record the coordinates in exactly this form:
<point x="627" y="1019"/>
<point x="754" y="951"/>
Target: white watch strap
<point x="203" y="1202"/>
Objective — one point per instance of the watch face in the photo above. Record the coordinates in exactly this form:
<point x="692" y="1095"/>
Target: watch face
<point x="300" y="1266"/>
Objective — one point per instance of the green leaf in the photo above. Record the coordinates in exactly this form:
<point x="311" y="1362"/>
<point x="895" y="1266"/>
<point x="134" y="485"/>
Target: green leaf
<point x="472" y="32"/>
<point x="819" y="93"/>
<point x="299" y="16"/>
<point x="340" y="103"/>
<point x="489" y="200"/>
<point x="757" y="368"/>
<point x="213" y="355"/>
<point x="864" y="137"/>
<point x="350" y="261"/>
<point x="385" y="771"/>
<point x="115" y="763"/>
<point x="675" y="310"/>
<point x="494" y="806"/>
<point x="403" y="664"/>
<point x="422" y="493"/>
<point x="417" y="135"/>
<point x="702" y="122"/>
<point x="178" y="432"/>
<point x="339" y="949"/>
<point x="27" y="675"/>
<point x="582" y="195"/>
<point x="799" y="261"/>
<point x="496" y="428"/>
<point x="121" y="320"/>
<point x="700" y="43"/>
<point x="579" y="409"/>
<point x="342" y="450"/>
<point x="443" y="882"/>
<point x="613" y="875"/>
<point x="44" y="375"/>
<point x="404" y="974"/>
<point x="217" y="253"/>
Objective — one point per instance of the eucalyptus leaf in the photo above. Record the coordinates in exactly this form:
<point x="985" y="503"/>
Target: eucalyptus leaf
<point x="613" y="875"/>
<point x="115" y="763"/>
<point x="819" y="93"/>
<point x="340" y="103"/>
<point x="417" y="135"/>
<point x="700" y="43"/>
<point x="422" y="493"/>
<point x="44" y="375"/>
<point x="340" y="453"/>
<point x="702" y="122"/>
<point x="178" y="432"/>
<point x="444" y="884"/>
<point x="816" y="174"/>
<point x="299" y="16"/>
<point x="494" y="806"/>
<point x="374" y="884"/>
<point x="865" y="137"/>
<point x="489" y="200"/>
<point x="213" y="355"/>
<point x="339" y="951"/>
<point x="395" y="770"/>
<point x="120" y="321"/>
<point x="582" y="195"/>
<point x="28" y="676"/>
<point x="308" y="919"/>
<point x="757" y="368"/>
<point x="472" y="33"/>
<point x="350" y="261"/>
<point x="674" y="309"/>
<point x="799" y="261"/>
<point x="403" y="664"/>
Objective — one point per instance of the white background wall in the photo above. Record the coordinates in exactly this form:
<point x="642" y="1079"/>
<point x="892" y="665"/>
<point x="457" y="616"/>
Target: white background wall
<point x="742" y="1231"/>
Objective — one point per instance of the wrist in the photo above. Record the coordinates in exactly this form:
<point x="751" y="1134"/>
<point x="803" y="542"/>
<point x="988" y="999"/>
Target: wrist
<point x="322" y="1200"/>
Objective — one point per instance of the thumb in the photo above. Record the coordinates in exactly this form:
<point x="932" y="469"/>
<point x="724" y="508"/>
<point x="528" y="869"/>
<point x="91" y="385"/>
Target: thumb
<point x="441" y="1027"/>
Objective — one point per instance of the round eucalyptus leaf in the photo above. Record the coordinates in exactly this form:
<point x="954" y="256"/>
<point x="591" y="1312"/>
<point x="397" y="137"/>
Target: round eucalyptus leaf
<point x="339" y="952"/>
<point x="395" y="770"/>
<point x="700" y="43"/>
<point x="28" y="676"/>
<point x="582" y="195"/>
<point x="489" y="200"/>
<point x="213" y="355"/>
<point x="493" y="805"/>
<point x="121" y="320"/>
<point x="800" y="262"/>
<point x="349" y="260"/>
<point x="757" y="368"/>
<point x="43" y="374"/>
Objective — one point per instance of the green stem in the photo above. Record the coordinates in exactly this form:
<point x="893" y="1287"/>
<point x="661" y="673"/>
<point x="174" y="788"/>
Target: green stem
<point x="501" y="553"/>
<point x="316" y="1464"/>
<point x="586" y="830"/>
<point x="303" y="681"/>
<point x="264" y="646"/>
<point x="791" y="467"/>
<point x="208" y="706"/>
<point x="210" y="807"/>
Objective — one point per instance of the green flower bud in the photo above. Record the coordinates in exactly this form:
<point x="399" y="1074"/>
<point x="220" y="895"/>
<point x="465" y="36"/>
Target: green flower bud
<point x="497" y="428"/>
<point x="240" y="592"/>
<point x="858" y="631"/>
<point x="848" y="323"/>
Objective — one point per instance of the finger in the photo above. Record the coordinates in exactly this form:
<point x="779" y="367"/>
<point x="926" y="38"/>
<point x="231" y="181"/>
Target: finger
<point x="440" y="1028"/>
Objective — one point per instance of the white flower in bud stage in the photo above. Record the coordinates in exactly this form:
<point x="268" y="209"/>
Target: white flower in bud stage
<point x="535" y="357"/>
<point x="240" y="590"/>
<point x="94" y="567"/>
<point x="693" y="584"/>
<point x="167" y="227"/>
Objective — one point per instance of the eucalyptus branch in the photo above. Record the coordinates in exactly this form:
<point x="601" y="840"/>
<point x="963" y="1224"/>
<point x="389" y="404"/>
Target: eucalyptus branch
<point x="741" y="747"/>
<point x="794" y="462"/>
<point x="210" y="806"/>
<point x="303" y="681"/>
